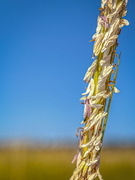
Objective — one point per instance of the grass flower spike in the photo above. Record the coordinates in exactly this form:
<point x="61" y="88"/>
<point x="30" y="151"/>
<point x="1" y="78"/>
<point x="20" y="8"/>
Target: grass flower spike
<point x="101" y="84"/>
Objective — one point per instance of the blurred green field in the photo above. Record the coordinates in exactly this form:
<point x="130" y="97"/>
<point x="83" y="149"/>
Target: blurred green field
<point x="55" y="164"/>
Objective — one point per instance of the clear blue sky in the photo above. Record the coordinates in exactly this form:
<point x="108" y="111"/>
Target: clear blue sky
<point x="44" y="54"/>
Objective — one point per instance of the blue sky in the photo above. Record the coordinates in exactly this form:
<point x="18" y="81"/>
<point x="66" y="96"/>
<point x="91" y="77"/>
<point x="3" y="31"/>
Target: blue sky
<point x="44" y="54"/>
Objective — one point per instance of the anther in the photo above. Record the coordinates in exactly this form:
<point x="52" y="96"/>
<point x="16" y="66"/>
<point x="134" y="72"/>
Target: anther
<point x="78" y="131"/>
<point x="100" y="9"/>
<point x="119" y="31"/>
<point x="110" y="85"/>
<point x="112" y="70"/>
<point x="114" y="52"/>
<point x="111" y="81"/>
<point x="114" y="65"/>
<point x="93" y="56"/>
<point x="92" y="40"/>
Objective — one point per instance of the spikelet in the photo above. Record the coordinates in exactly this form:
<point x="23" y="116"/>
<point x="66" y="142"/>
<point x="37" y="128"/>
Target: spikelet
<point x="100" y="87"/>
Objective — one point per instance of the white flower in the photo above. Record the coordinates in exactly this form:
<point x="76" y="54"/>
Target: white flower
<point x="110" y="42"/>
<point x="99" y="26"/>
<point x="107" y="95"/>
<point x="124" y="12"/>
<point x="95" y="120"/>
<point x="101" y="82"/>
<point x="83" y="98"/>
<point x="103" y="76"/>
<point x="112" y="30"/>
<point x="98" y="44"/>
<point x="97" y="143"/>
<point x="94" y="161"/>
<point x="123" y="22"/>
<point x="88" y="151"/>
<point x="106" y="59"/>
<point x="99" y="175"/>
<point x="99" y="95"/>
<point x="116" y="90"/>
<point x="89" y="143"/>
<point x="90" y="71"/>
<point x="94" y="105"/>
<point x="97" y="127"/>
<point x="92" y="88"/>
<point x="94" y="113"/>
<point x="110" y="4"/>
<point x="118" y="9"/>
<point x="103" y="3"/>
<point x="106" y="71"/>
<point x="114" y="4"/>
<point x="92" y="176"/>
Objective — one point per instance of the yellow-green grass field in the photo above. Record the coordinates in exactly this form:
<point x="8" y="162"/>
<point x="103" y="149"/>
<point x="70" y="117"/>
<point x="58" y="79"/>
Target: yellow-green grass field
<point x="55" y="164"/>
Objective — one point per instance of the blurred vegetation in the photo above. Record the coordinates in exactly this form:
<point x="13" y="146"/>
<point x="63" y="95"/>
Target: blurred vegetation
<point x="55" y="164"/>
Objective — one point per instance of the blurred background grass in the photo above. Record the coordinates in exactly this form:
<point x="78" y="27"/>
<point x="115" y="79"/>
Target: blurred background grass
<point x="23" y="163"/>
